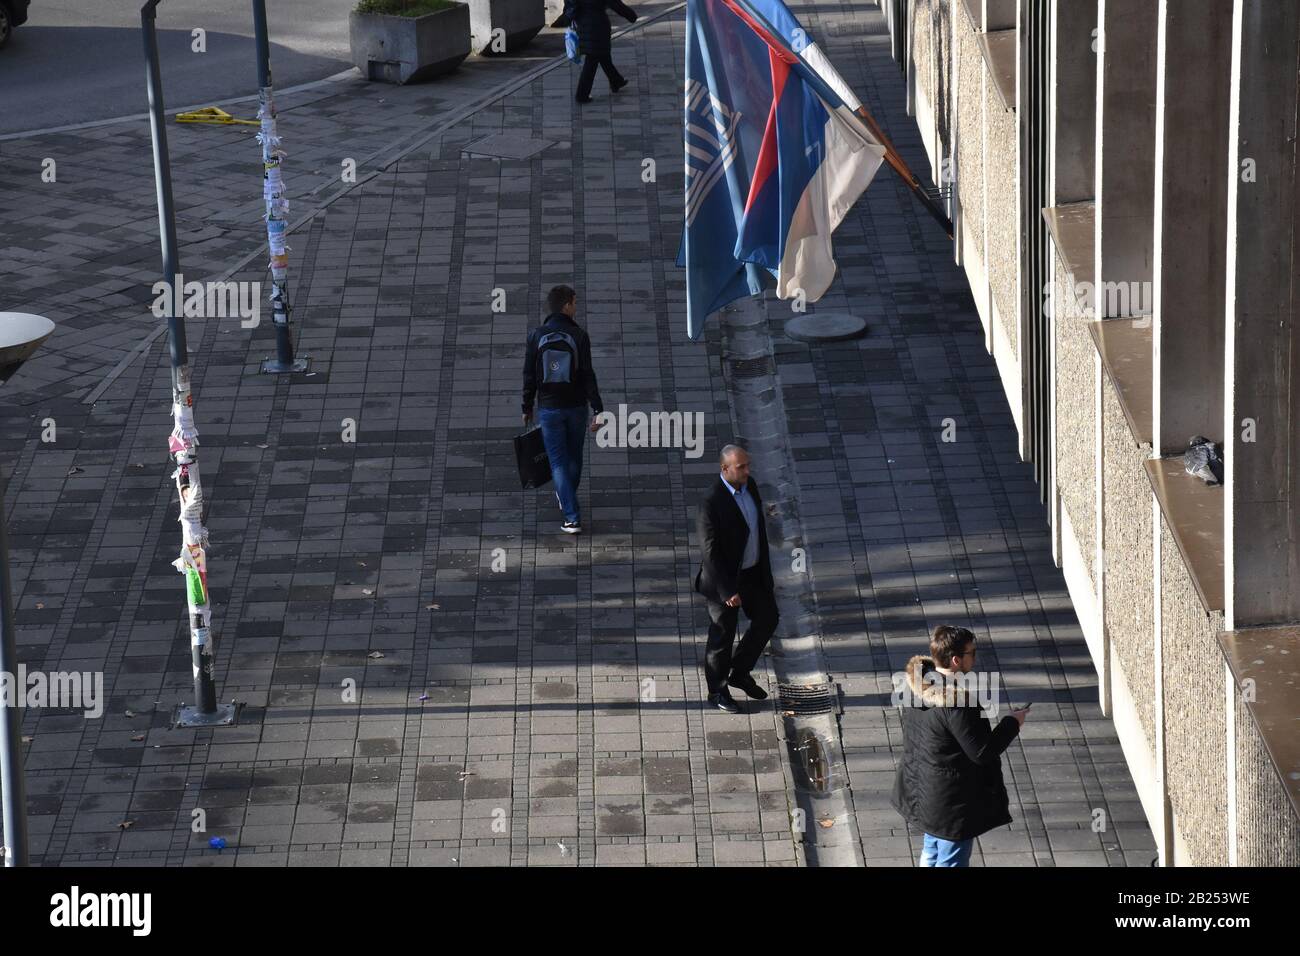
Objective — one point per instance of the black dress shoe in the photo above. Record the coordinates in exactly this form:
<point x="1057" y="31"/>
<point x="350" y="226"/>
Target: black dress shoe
<point x="722" y="700"/>
<point x="747" y="683"/>
<point x="615" y="87"/>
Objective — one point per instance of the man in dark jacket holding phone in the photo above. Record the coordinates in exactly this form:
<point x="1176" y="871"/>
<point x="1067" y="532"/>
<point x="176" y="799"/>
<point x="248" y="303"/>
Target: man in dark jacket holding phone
<point x="591" y="19"/>
<point x="559" y="374"/>
<point x="735" y="574"/>
<point x="949" y="783"/>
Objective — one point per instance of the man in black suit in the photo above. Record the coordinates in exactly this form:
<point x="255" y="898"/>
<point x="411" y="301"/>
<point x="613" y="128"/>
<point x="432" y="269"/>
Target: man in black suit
<point x="735" y="575"/>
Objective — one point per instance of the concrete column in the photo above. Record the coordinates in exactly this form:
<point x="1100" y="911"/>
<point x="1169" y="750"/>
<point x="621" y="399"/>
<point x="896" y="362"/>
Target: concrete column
<point x="1073" y="108"/>
<point x="1099" y="563"/>
<point x="1193" y="62"/>
<point x="1163" y="831"/>
<point x="1125" y="154"/>
<point x="937" y="96"/>
<point x="1262" y="346"/>
<point x="1230" y="711"/>
<point x="986" y="288"/>
<point x="955" y="11"/>
<point x="909" y="66"/>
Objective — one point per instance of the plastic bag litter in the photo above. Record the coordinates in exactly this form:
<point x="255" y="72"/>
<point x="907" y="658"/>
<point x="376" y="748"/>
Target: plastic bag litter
<point x="1204" y="459"/>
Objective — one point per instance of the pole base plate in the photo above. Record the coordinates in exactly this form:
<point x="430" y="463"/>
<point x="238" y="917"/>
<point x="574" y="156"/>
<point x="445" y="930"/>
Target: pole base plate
<point x="825" y="327"/>
<point x="275" y="366"/>
<point x="226" y="715"/>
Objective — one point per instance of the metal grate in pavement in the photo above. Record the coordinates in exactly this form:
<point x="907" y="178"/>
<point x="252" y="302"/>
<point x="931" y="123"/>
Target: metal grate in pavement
<point x="806" y="700"/>
<point x="752" y="368"/>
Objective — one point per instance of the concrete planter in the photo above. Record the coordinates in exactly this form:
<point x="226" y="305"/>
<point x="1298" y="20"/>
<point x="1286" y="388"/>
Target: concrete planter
<point x="517" y="20"/>
<point x="409" y="49"/>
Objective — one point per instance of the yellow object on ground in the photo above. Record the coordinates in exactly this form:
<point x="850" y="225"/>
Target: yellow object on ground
<point x="212" y="114"/>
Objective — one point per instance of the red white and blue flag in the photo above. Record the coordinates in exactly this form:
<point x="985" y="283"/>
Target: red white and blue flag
<point x="775" y="156"/>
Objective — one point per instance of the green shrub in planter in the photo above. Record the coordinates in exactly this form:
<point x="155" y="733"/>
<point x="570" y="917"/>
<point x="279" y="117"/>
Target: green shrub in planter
<point x="404" y="8"/>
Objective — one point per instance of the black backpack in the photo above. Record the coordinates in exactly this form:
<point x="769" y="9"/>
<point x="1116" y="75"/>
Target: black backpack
<point x="557" y="358"/>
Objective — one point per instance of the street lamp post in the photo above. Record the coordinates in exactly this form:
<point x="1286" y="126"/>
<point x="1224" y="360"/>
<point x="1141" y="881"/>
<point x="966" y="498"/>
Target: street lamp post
<point x="184" y="441"/>
<point x="20" y="335"/>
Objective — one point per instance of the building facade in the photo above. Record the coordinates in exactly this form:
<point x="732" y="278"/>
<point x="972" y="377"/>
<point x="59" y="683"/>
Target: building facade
<point x="1122" y="180"/>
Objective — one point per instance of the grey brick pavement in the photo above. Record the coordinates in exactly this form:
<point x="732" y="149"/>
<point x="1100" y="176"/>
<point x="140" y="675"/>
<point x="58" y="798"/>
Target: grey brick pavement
<point x="905" y="531"/>
<point x="373" y="561"/>
<point x="83" y="250"/>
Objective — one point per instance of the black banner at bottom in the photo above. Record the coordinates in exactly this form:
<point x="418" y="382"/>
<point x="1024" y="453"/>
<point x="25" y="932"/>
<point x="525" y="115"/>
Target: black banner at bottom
<point x="231" y="905"/>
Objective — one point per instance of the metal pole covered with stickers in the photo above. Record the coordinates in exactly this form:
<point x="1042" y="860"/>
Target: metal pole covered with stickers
<point x="183" y="444"/>
<point x="277" y="206"/>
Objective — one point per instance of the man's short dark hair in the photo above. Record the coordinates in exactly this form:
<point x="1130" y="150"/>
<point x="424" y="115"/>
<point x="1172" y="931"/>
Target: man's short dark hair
<point x="559" y="297"/>
<point x="949" y="641"/>
<point x="728" y="451"/>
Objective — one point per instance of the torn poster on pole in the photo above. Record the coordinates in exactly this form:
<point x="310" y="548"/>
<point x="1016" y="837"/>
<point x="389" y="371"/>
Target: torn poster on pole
<point x="277" y="206"/>
<point x="277" y="226"/>
<point x="193" y="561"/>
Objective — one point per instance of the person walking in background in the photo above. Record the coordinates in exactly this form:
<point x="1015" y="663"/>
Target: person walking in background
<point x="559" y="374"/>
<point x="949" y="782"/>
<point x="591" y="19"/>
<point x="735" y="575"/>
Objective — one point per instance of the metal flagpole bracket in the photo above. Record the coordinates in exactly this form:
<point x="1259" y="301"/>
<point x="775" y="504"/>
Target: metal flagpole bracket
<point x="226" y="715"/>
<point x="276" y="367"/>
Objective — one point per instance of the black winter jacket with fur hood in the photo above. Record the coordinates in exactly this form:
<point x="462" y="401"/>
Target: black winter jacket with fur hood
<point x="949" y="783"/>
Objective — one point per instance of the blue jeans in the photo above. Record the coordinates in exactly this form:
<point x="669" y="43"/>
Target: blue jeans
<point x="939" y="852"/>
<point x="563" y="431"/>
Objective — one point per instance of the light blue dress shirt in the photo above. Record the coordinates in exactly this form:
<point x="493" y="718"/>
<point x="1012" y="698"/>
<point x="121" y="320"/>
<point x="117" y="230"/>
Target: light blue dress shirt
<point x="745" y="501"/>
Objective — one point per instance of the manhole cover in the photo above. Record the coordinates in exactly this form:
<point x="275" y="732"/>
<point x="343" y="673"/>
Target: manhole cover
<point x="507" y="146"/>
<point x="806" y="700"/>
<point x="825" y="327"/>
<point x="752" y="368"/>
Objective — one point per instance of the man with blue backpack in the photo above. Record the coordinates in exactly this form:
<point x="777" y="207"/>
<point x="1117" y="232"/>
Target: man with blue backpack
<point x="559" y="374"/>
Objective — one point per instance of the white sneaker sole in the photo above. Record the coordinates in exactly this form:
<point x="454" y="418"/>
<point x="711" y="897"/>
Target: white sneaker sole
<point x="567" y="530"/>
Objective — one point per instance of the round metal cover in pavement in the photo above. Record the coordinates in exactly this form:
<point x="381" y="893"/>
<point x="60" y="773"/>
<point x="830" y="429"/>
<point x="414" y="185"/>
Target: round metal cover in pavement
<point x="20" y="335"/>
<point x="825" y="327"/>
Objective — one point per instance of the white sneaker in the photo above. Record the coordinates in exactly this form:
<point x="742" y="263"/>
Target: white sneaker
<point x="571" y="527"/>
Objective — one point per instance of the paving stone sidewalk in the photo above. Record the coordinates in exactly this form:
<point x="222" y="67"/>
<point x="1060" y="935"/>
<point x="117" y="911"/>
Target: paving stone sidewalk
<point x="83" y="249"/>
<point x="905" y="530"/>
<point x="561" y="720"/>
